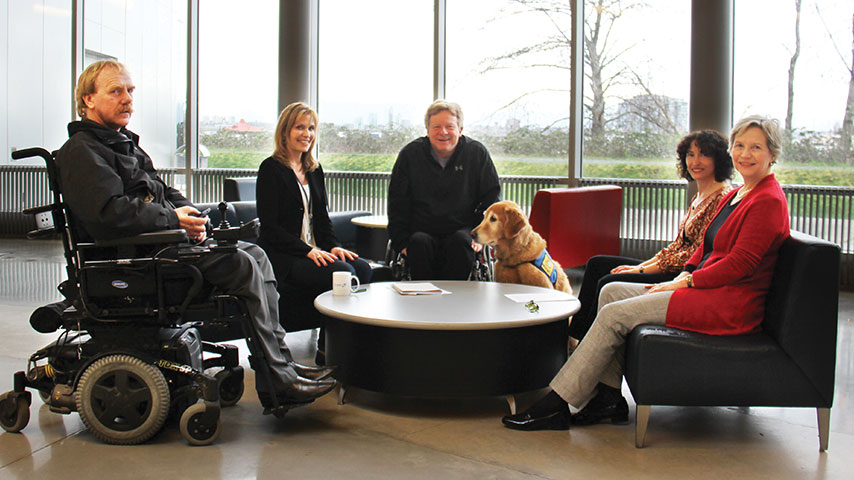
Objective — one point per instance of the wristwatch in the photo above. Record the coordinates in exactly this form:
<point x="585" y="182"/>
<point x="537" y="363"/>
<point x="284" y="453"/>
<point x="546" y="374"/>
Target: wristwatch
<point x="690" y="280"/>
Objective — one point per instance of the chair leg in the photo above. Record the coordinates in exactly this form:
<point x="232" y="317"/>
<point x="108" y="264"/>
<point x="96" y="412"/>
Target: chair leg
<point x="342" y="392"/>
<point x="823" y="415"/>
<point x="641" y="420"/>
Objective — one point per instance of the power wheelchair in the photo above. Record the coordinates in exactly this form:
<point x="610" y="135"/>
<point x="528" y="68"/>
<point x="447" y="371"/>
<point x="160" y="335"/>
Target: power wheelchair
<point x="482" y="270"/>
<point x="131" y="354"/>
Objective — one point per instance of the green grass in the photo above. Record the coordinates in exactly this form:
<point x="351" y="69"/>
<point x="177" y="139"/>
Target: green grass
<point x="642" y="168"/>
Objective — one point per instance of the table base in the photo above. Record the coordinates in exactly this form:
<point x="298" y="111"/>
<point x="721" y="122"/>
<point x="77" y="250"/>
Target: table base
<point x="446" y="363"/>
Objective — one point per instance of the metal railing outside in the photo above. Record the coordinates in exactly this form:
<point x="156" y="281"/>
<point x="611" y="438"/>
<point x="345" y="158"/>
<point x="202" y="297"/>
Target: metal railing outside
<point x="651" y="208"/>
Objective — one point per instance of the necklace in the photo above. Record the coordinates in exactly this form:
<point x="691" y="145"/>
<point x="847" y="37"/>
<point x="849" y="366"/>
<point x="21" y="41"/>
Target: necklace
<point x="741" y="193"/>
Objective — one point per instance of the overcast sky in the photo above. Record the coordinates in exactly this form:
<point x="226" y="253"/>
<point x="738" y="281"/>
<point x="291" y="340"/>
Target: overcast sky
<point x="376" y="59"/>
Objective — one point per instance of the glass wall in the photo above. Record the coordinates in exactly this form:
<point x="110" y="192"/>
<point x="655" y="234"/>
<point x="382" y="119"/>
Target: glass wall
<point x="150" y="39"/>
<point x="35" y="58"/>
<point x="814" y="54"/>
<point x="238" y="81"/>
<point x="636" y="87"/>
<point x="508" y="67"/>
<point x="375" y="80"/>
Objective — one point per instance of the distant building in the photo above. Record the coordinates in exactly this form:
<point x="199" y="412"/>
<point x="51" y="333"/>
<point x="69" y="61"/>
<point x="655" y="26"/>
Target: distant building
<point x="652" y="113"/>
<point x="242" y="126"/>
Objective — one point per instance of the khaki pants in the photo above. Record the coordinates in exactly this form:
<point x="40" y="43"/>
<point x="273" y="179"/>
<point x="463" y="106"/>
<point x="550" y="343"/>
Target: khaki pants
<point x="600" y="357"/>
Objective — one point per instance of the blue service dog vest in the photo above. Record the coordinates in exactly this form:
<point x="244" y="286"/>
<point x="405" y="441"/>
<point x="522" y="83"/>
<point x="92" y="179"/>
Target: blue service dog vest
<point x="546" y="265"/>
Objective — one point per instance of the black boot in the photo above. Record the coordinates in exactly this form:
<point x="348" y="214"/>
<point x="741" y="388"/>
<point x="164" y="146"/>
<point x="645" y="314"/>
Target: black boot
<point x="301" y="391"/>
<point x="549" y="413"/>
<point x="304" y="390"/>
<point x="312" y="373"/>
<point x="608" y="405"/>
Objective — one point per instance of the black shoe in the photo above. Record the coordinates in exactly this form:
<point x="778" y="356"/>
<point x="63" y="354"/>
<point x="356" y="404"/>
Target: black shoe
<point x="603" y="408"/>
<point x="557" y="420"/>
<point x="304" y="390"/>
<point x="312" y="373"/>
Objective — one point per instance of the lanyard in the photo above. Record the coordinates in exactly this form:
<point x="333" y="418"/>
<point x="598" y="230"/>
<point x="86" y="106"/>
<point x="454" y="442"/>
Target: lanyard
<point x="306" y="200"/>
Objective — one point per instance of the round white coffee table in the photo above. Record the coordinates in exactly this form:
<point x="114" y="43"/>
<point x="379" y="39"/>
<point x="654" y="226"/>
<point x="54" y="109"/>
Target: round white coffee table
<point x="473" y="341"/>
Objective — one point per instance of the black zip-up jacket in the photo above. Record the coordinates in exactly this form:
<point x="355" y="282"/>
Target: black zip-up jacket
<point x="111" y="186"/>
<point x="424" y="197"/>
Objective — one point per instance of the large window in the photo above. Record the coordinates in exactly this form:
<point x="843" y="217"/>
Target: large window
<point x="775" y="46"/>
<point x="375" y="80"/>
<point x="238" y="81"/>
<point x="636" y="87"/>
<point x="35" y="58"/>
<point x="150" y="39"/>
<point x="508" y="65"/>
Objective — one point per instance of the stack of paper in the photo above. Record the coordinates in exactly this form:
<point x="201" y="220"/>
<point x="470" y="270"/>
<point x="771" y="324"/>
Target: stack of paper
<point x="417" y="289"/>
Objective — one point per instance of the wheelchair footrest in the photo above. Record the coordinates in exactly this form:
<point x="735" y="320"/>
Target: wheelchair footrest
<point x="281" y="410"/>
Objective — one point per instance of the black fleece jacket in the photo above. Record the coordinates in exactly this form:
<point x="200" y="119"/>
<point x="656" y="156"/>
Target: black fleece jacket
<point x="111" y="186"/>
<point x="424" y="197"/>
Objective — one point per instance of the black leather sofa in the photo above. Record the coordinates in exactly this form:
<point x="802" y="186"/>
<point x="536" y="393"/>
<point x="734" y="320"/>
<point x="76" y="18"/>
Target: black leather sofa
<point x="790" y="363"/>
<point x="296" y="307"/>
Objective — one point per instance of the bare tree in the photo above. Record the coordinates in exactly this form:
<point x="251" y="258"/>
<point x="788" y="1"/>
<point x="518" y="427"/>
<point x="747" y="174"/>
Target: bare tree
<point x="790" y="99"/>
<point x="848" y="118"/>
<point x="602" y="67"/>
<point x="599" y="19"/>
<point x="847" y="131"/>
<point x="652" y="108"/>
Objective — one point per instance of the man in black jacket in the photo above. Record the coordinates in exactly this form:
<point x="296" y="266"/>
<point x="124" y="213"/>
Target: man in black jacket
<point x="440" y="186"/>
<point x="112" y="189"/>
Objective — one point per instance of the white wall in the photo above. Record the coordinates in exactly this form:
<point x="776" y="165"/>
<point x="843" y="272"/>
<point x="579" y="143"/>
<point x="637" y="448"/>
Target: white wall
<point x="35" y="57"/>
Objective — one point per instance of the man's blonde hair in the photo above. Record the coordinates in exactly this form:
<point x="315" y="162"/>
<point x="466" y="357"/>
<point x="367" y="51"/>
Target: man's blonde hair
<point x="86" y="82"/>
<point x="442" y="105"/>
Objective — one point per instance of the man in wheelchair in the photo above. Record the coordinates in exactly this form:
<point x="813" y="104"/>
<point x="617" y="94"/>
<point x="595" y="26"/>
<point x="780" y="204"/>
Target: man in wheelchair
<point x="112" y="190"/>
<point x="440" y="186"/>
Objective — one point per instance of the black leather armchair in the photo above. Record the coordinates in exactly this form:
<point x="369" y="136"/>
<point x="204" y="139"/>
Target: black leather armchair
<point x="790" y="363"/>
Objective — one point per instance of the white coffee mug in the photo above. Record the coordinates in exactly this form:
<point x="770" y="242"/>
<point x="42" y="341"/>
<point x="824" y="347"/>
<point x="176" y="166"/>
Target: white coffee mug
<point x="342" y="283"/>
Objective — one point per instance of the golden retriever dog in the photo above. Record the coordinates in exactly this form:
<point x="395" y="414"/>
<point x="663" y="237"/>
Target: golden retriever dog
<point x="517" y="247"/>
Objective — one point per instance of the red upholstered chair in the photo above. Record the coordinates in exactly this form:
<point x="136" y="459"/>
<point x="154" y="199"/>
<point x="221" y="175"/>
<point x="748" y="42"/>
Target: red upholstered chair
<point x="579" y="222"/>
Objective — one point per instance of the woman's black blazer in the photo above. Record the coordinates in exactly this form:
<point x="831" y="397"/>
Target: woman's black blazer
<point x="280" y="210"/>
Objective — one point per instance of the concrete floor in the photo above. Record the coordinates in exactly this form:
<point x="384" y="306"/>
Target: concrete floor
<point x="377" y="436"/>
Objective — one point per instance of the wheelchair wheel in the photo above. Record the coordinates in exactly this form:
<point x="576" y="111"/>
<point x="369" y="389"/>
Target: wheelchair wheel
<point x="14" y="414"/>
<point x="230" y="381"/>
<point x="196" y="429"/>
<point x="123" y="400"/>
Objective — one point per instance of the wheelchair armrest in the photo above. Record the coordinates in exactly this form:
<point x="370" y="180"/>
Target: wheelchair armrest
<point x="151" y="238"/>
<point x="41" y="209"/>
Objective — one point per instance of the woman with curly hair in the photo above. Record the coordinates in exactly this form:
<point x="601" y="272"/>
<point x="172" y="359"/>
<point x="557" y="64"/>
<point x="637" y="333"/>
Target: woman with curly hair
<point x="703" y="157"/>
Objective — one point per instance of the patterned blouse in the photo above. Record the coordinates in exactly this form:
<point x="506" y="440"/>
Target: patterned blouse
<point x="673" y="257"/>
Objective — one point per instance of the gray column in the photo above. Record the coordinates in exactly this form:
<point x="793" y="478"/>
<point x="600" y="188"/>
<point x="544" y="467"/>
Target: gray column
<point x="439" y="28"/>
<point x="711" y="65"/>
<point x="296" y="22"/>
<point x="576" y="94"/>
<point x="710" y="102"/>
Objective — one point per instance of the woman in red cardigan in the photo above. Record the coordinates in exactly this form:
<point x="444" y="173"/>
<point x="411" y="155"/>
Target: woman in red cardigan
<point x="721" y="290"/>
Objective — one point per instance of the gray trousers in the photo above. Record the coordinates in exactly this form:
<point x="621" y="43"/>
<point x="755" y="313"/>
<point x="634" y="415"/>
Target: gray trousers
<point x="601" y="356"/>
<point x="248" y="275"/>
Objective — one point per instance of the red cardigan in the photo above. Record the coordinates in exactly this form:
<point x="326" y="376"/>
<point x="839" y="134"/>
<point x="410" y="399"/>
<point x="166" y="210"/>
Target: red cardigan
<point x="728" y="297"/>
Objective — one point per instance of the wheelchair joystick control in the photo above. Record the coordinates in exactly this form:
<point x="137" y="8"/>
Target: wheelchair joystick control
<point x="227" y="236"/>
<point x="223" y="223"/>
